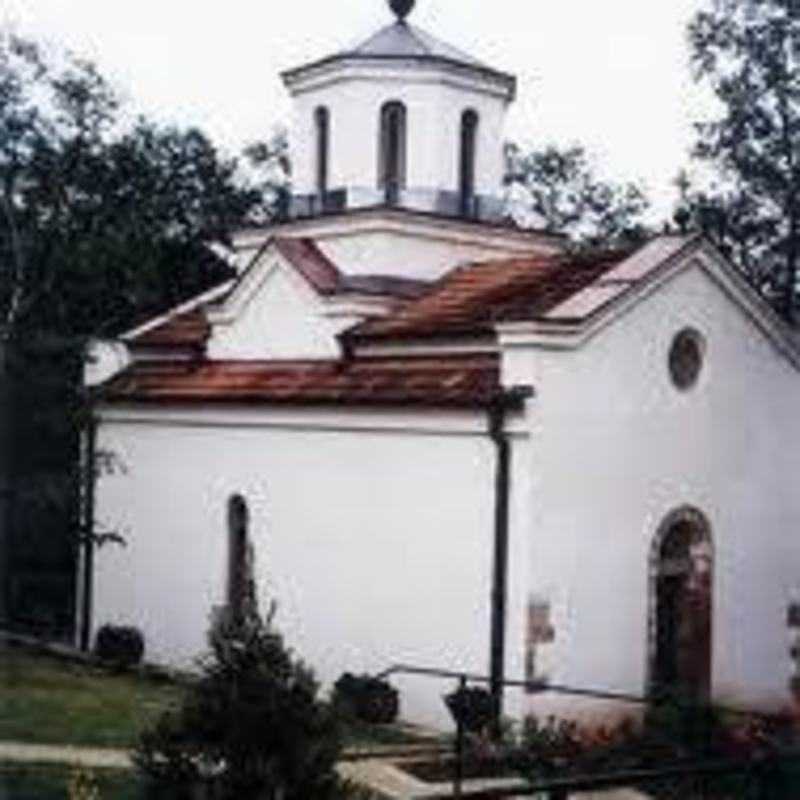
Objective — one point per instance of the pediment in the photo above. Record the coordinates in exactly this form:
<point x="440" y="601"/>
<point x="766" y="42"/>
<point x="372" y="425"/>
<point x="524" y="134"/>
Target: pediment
<point x="275" y="311"/>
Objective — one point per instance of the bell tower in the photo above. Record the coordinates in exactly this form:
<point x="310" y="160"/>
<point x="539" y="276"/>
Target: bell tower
<point x="402" y="120"/>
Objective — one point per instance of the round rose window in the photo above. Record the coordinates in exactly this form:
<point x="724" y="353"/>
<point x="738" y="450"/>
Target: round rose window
<point x="686" y="358"/>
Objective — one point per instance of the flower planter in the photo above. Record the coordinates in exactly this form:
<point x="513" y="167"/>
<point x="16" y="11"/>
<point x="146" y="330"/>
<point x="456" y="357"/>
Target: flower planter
<point x="473" y="708"/>
<point x="368" y="699"/>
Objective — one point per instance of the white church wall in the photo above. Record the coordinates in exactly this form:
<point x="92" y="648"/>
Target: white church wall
<point x="615" y="448"/>
<point x="434" y="108"/>
<point x="519" y="561"/>
<point x="400" y="243"/>
<point x="408" y="255"/>
<point x="104" y="359"/>
<point x="375" y="543"/>
<point x="283" y="319"/>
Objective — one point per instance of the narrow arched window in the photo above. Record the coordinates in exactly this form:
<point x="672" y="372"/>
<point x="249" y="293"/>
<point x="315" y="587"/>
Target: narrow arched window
<point x="467" y="153"/>
<point x="322" y="125"/>
<point x="392" y="167"/>
<point x="239" y="576"/>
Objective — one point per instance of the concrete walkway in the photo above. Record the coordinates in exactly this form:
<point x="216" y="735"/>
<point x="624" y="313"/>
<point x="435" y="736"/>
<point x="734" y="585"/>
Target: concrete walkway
<point x="379" y="774"/>
<point x="100" y="758"/>
<point x="115" y="758"/>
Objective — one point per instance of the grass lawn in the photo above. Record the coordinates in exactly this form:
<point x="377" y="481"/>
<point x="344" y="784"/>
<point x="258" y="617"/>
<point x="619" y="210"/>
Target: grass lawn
<point x="49" y="701"/>
<point x="48" y="782"/>
<point x="45" y="700"/>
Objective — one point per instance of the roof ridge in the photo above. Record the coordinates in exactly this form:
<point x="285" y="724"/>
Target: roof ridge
<point x="431" y="46"/>
<point x="415" y="32"/>
<point x="476" y="294"/>
<point x="427" y="40"/>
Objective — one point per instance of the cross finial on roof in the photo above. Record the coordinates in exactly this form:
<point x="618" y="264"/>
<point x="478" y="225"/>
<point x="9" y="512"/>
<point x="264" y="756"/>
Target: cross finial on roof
<point x="401" y="8"/>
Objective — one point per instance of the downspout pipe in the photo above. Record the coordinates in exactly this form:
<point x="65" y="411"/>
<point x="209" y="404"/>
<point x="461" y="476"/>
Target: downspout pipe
<point x="86" y="533"/>
<point x="509" y="400"/>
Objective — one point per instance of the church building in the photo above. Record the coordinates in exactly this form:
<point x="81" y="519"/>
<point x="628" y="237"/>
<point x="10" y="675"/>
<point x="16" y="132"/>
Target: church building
<point x="434" y="438"/>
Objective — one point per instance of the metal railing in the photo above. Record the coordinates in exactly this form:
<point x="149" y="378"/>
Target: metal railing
<point x="473" y="207"/>
<point x="692" y="779"/>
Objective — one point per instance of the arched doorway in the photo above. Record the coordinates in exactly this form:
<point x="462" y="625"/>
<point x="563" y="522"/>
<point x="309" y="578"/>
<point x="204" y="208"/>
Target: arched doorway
<point x="681" y="573"/>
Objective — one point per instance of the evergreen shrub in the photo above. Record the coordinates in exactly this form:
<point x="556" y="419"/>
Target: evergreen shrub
<point x="250" y="727"/>
<point x="366" y="698"/>
<point x="119" y="645"/>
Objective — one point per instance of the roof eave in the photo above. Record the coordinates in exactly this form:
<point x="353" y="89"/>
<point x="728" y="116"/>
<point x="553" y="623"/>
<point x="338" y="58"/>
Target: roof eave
<point x="294" y="74"/>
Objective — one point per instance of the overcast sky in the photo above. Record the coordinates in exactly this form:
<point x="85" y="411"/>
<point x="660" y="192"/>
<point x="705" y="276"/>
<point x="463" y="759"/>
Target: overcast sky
<point x="612" y="75"/>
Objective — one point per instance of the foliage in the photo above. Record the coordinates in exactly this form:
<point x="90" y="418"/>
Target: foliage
<point x="672" y="731"/>
<point x="252" y="722"/>
<point x="472" y="706"/>
<point x="269" y="171"/>
<point x="119" y="645"/>
<point x="82" y="785"/>
<point x="747" y="53"/>
<point x="61" y="782"/>
<point x="102" y="223"/>
<point x="557" y="189"/>
<point x="366" y="698"/>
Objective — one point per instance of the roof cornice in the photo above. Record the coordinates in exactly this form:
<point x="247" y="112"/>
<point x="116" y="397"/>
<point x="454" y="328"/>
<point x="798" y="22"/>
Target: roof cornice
<point x="340" y="68"/>
<point x="570" y="335"/>
<point x="407" y="46"/>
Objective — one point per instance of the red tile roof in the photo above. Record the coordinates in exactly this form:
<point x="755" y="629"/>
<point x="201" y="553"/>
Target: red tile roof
<point x="465" y="381"/>
<point x="385" y="285"/>
<point x="470" y="299"/>
<point x="306" y="257"/>
<point x="190" y="330"/>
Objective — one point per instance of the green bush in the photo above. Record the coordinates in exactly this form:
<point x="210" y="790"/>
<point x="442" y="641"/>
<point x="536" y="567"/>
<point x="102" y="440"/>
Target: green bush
<point x="472" y="706"/>
<point x="365" y="698"/>
<point x="119" y="645"/>
<point x="252" y="724"/>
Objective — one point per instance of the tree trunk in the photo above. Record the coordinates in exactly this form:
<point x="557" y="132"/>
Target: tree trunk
<point x="5" y="486"/>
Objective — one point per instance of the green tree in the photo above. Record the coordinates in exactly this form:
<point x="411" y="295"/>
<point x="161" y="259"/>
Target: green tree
<point x="252" y="722"/>
<point x="557" y="190"/>
<point x="102" y="223"/>
<point x="747" y="52"/>
<point x="269" y="169"/>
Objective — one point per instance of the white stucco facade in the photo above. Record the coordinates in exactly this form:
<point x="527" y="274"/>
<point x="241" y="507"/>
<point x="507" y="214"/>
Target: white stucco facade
<point x="373" y="530"/>
<point x="399" y="242"/>
<point x="435" y="100"/>
<point x="373" y="520"/>
<point x="615" y="448"/>
<point x="362" y="577"/>
<point x="275" y="315"/>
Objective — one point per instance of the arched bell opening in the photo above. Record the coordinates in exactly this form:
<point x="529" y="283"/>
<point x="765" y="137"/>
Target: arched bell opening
<point x="322" y="129"/>
<point x="466" y="163"/>
<point x="392" y="166"/>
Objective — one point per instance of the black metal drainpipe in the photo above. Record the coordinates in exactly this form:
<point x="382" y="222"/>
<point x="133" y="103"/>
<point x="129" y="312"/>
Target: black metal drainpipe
<point x="512" y="399"/>
<point x="87" y="529"/>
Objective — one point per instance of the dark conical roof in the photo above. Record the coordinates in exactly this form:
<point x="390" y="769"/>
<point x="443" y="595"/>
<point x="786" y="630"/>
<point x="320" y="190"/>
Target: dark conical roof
<point x="401" y="41"/>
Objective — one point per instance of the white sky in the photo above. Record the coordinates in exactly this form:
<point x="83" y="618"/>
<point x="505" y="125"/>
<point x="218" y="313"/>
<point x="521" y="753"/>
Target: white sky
<point x="613" y="75"/>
